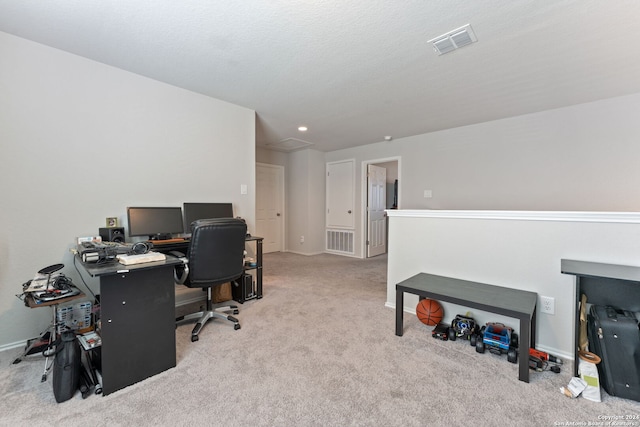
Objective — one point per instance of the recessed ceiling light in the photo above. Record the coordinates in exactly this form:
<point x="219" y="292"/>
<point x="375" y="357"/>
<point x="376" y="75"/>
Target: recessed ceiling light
<point x="302" y="128"/>
<point x="388" y="138"/>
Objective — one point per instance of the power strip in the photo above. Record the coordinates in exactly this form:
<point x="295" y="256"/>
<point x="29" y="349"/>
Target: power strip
<point x="95" y="239"/>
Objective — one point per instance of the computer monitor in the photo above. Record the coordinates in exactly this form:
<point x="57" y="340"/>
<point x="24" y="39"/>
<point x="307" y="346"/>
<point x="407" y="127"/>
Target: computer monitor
<point x="158" y="223"/>
<point x="195" y="211"/>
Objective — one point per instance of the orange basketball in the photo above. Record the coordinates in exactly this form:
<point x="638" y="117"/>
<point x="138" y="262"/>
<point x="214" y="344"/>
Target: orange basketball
<point x="429" y="312"/>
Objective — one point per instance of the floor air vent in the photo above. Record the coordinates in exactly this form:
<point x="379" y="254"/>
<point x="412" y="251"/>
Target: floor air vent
<point x="340" y="241"/>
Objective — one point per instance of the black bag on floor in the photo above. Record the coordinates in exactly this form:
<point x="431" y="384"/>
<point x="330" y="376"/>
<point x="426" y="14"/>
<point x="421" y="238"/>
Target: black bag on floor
<point x="614" y="335"/>
<point x="66" y="367"/>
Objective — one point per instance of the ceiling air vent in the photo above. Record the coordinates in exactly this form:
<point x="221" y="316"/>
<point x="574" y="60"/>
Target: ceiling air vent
<point x="453" y="40"/>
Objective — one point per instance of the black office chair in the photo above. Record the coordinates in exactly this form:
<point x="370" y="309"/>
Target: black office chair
<point x="216" y="256"/>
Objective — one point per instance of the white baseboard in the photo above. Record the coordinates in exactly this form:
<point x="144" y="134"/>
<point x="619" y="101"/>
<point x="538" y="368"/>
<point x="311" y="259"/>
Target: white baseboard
<point x="11" y="346"/>
<point x="305" y="253"/>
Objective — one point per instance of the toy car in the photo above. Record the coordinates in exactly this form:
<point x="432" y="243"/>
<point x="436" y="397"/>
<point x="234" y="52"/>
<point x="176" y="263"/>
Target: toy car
<point x="498" y="339"/>
<point x="463" y="327"/>
<point x="440" y="331"/>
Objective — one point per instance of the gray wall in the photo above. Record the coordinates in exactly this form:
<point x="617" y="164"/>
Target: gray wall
<point x="271" y="157"/>
<point x="304" y="198"/>
<point x="305" y="201"/>
<point x="81" y="141"/>
<point x="583" y="157"/>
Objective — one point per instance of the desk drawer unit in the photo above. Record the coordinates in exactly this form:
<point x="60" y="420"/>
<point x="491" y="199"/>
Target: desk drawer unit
<point x="138" y="326"/>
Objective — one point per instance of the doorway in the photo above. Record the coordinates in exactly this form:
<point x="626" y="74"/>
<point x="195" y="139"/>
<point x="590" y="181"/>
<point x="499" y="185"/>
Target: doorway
<point x="270" y="206"/>
<point x="380" y="191"/>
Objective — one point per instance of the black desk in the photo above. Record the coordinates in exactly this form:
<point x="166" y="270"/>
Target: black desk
<point x="167" y="246"/>
<point x="137" y="313"/>
<point x="258" y="267"/>
<point x="603" y="284"/>
<point x="495" y="299"/>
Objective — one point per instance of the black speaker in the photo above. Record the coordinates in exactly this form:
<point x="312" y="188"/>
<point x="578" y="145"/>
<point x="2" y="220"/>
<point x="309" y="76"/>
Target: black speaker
<point x="112" y="234"/>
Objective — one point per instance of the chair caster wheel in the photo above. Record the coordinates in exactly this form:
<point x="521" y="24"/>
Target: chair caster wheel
<point x="236" y="326"/>
<point x="194" y="338"/>
<point x="236" y="311"/>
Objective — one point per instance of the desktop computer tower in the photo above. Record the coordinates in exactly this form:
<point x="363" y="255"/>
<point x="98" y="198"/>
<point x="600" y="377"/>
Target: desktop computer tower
<point x="242" y="288"/>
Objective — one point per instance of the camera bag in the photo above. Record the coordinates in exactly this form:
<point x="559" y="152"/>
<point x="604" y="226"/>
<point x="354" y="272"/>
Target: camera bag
<point x="66" y="367"/>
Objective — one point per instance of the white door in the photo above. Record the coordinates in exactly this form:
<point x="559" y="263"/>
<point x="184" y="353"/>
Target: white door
<point x="270" y="206"/>
<point x="376" y="204"/>
<point x="340" y="194"/>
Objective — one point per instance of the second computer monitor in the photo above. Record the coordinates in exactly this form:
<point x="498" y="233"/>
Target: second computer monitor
<point x="195" y="211"/>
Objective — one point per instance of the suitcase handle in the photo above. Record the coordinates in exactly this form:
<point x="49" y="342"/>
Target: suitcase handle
<point x="612" y="312"/>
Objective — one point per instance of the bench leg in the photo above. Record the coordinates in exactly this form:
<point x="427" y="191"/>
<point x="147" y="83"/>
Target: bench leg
<point x="399" y="312"/>
<point x="525" y="340"/>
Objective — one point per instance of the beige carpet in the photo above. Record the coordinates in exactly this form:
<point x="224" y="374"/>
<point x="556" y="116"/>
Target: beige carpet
<point x="318" y="350"/>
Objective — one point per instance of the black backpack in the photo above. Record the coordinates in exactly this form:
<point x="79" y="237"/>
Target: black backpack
<point x="66" y="367"/>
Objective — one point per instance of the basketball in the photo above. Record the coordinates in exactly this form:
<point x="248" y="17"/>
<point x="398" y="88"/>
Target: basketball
<point x="429" y="312"/>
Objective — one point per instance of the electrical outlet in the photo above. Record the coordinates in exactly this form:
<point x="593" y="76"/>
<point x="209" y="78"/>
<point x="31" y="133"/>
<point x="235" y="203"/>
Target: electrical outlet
<point x="547" y="305"/>
<point x="301" y="239"/>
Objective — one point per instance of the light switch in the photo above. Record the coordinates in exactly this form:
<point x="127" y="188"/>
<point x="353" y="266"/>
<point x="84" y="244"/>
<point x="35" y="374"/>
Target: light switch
<point x="243" y="188"/>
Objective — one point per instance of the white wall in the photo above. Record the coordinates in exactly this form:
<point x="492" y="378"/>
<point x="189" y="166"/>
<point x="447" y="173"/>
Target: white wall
<point x="80" y="141"/>
<point x="510" y="252"/>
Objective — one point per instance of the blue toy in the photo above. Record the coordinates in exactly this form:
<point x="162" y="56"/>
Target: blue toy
<point x="498" y="339"/>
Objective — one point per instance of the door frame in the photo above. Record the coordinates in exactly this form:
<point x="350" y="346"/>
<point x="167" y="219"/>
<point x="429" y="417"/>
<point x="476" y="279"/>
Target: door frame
<point x="283" y="225"/>
<point x="364" y="181"/>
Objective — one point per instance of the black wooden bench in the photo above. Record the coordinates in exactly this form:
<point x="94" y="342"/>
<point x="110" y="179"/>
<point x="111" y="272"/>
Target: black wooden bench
<point x="495" y="299"/>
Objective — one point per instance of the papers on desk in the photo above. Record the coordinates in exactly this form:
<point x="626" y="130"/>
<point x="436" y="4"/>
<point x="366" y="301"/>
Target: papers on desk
<point x="43" y="287"/>
<point x="39" y="283"/>
<point x="141" y="258"/>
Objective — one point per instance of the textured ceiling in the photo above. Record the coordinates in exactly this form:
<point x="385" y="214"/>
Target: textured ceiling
<point x="355" y="71"/>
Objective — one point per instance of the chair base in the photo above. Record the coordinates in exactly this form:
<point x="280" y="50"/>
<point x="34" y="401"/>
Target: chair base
<point x="204" y="316"/>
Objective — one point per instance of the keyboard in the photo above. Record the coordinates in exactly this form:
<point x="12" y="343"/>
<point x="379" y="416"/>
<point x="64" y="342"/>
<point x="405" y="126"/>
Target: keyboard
<point x="141" y="258"/>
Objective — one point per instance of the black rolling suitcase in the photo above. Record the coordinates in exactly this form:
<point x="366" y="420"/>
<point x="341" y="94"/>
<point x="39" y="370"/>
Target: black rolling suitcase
<point x="614" y="335"/>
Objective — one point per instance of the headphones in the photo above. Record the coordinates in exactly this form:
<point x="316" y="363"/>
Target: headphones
<point x="141" y="248"/>
<point x="62" y="283"/>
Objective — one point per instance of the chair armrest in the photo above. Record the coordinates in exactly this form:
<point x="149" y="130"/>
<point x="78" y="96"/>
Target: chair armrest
<point x="180" y="271"/>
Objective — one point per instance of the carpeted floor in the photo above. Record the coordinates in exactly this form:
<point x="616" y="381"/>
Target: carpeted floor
<point x="318" y="350"/>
